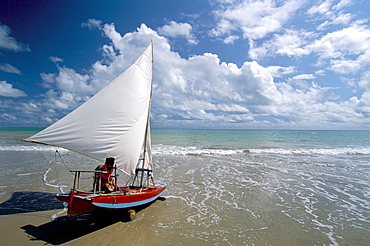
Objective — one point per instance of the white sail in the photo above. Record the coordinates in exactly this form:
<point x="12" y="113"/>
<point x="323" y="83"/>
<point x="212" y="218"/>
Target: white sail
<point x="113" y="123"/>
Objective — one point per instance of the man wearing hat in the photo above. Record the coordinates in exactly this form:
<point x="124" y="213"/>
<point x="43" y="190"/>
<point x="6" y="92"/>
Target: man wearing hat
<point x="107" y="182"/>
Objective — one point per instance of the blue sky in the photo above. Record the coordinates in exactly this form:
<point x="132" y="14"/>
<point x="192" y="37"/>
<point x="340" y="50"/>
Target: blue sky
<point x="255" y="64"/>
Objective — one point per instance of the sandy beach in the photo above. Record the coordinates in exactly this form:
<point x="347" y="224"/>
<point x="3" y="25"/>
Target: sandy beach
<point x="37" y="228"/>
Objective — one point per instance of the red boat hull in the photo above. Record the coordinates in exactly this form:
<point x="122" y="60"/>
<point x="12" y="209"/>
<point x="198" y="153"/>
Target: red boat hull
<point x="84" y="202"/>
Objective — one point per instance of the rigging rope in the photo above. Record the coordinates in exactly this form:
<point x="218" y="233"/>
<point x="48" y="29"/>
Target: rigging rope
<point x="65" y="165"/>
<point x="56" y="151"/>
<point x="56" y="170"/>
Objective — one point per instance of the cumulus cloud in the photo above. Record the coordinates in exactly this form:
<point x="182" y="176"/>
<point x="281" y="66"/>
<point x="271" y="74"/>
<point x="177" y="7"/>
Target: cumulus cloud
<point x="192" y="89"/>
<point x="67" y="88"/>
<point x="202" y="90"/>
<point x="352" y="40"/>
<point x="195" y="91"/>
<point x="254" y="19"/>
<point x="7" y="90"/>
<point x="175" y="29"/>
<point x="343" y="51"/>
<point x="290" y="43"/>
<point x="291" y="46"/>
<point x="341" y="45"/>
<point x="9" y="43"/>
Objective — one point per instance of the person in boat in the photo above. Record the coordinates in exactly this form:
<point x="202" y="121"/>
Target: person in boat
<point x="103" y="176"/>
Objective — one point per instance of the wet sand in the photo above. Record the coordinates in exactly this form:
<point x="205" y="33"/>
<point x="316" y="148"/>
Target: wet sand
<point x="246" y="199"/>
<point x="37" y="228"/>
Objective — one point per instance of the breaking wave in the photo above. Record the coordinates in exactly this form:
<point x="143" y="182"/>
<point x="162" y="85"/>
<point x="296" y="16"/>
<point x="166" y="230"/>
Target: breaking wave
<point x="161" y="149"/>
<point x="35" y="147"/>
<point x="336" y="151"/>
<point x="192" y="150"/>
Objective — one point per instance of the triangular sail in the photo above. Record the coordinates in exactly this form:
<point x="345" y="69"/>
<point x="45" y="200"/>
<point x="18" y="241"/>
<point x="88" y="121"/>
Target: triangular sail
<point x="113" y="123"/>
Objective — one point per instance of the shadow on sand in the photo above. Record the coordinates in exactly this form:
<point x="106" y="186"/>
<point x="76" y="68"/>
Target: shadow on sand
<point x="65" y="229"/>
<point x="25" y="202"/>
<point x="62" y="229"/>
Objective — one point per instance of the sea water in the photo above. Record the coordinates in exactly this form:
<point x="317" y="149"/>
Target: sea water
<point x="225" y="187"/>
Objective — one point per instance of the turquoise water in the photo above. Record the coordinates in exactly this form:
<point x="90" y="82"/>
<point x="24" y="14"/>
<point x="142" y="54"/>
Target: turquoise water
<point x="231" y="187"/>
<point x="245" y="139"/>
<point x="239" y="139"/>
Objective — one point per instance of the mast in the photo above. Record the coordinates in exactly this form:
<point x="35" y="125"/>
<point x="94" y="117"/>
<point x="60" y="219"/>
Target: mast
<point x="147" y="154"/>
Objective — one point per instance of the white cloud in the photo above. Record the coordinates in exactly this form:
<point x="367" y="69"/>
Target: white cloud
<point x="9" y="43"/>
<point x="254" y="19"/>
<point x="6" y="67"/>
<point x="304" y="77"/>
<point x="352" y="40"/>
<point x="200" y="86"/>
<point x="277" y="71"/>
<point x="322" y="8"/>
<point x="203" y="90"/>
<point x="332" y="14"/>
<point x="230" y="39"/>
<point x="175" y="29"/>
<point x="320" y="72"/>
<point x="72" y="87"/>
<point x="291" y="43"/>
<point x="343" y="19"/>
<point x="8" y="117"/>
<point x="344" y="66"/>
<point x="92" y="23"/>
<point x="344" y="51"/>
<point x="55" y="59"/>
<point x="7" y="90"/>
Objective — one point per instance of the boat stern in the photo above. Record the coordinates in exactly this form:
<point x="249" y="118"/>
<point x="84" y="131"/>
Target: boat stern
<point x="77" y="203"/>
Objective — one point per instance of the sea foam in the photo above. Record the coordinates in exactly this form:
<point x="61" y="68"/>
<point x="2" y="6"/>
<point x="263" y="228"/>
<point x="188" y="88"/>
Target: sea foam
<point x="35" y="147"/>
<point x="192" y="150"/>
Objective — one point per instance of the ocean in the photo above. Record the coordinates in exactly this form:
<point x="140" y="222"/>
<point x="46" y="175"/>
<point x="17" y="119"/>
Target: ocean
<point x="224" y="187"/>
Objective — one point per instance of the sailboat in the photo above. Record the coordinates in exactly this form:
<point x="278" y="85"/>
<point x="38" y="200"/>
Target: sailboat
<point x="113" y="125"/>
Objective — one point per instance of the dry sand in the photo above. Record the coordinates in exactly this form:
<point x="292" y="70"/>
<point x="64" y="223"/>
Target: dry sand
<point x="37" y="228"/>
